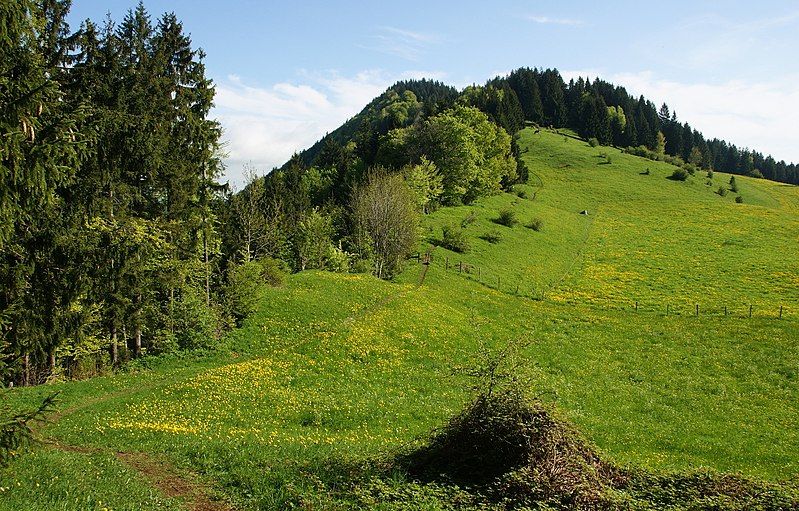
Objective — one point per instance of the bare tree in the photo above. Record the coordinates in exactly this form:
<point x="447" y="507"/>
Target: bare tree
<point x="248" y="211"/>
<point x="387" y="219"/>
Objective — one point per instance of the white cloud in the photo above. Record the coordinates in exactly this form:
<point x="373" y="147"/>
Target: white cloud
<point x="546" y="20"/>
<point x="758" y="115"/>
<point x="264" y="126"/>
<point x="405" y="44"/>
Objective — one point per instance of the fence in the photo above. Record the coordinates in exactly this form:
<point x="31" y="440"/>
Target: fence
<point x="663" y="307"/>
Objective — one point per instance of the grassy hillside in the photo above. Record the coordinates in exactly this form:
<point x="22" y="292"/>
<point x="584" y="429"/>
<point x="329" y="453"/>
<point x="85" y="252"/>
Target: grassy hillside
<point x="334" y="368"/>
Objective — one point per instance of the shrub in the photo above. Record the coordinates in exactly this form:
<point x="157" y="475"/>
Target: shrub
<point x="521" y="193"/>
<point x="756" y="173"/>
<point x="690" y="167"/>
<point x="362" y="265"/>
<point x="535" y="224"/>
<point x="492" y="237"/>
<point x="722" y="191"/>
<point x="507" y="217"/>
<point x="243" y="289"/>
<point x="16" y="427"/>
<point x="710" y="174"/>
<point x="733" y="185"/>
<point x="453" y="238"/>
<point x="739" y="199"/>
<point x="469" y="219"/>
<point x="273" y="271"/>
<point x="337" y="260"/>
<point x="593" y="142"/>
<point x="608" y="159"/>
<point x="679" y="174"/>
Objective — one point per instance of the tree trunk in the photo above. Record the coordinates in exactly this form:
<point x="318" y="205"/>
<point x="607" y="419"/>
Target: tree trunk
<point x="26" y="370"/>
<point x="51" y="361"/>
<point x="137" y="340"/>
<point x="114" y="347"/>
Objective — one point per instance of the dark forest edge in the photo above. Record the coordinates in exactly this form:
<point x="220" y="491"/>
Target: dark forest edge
<point x="117" y="238"/>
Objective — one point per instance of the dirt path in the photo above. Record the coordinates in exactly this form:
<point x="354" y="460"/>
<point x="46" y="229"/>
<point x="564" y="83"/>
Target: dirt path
<point x="170" y="482"/>
<point x="186" y="487"/>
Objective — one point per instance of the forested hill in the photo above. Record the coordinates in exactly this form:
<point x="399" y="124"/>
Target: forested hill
<point x="597" y="109"/>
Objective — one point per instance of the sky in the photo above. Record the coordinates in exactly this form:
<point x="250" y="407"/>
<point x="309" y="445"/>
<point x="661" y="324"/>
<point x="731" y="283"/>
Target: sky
<point x="287" y="73"/>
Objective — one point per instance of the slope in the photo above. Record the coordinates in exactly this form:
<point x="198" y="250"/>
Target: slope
<point x="335" y="368"/>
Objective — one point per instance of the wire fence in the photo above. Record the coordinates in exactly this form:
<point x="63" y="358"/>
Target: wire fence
<point x="666" y="306"/>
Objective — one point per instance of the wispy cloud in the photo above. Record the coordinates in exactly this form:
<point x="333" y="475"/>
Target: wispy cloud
<point x="405" y="44"/>
<point x="546" y="20"/>
<point x="263" y="126"/>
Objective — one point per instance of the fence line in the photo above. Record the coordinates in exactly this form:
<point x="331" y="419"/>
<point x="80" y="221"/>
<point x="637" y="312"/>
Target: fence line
<point x="665" y="307"/>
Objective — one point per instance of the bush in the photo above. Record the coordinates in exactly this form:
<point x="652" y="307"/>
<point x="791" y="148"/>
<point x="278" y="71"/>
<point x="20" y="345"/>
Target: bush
<point x="722" y="191"/>
<point x="453" y="238"/>
<point x="535" y="224"/>
<point x="469" y="219"/>
<point x="273" y="271"/>
<point x="361" y="265"/>
<point x="507" y="217"/>
<point x="710" y="174"/>
<point x="521" y="193"/>
<point x="733" y="185"/>
<point x="337" y="260"/>
<point x="690" y="167"/>
<point x="739" y="199"/>
<point x="247" y="281"/>
<point x="679" y="174"/>
<point x="492" y="237"/>
<point x="593" y="142"/>
<point x="756" y="174"/>
<point x="243" y="289"/>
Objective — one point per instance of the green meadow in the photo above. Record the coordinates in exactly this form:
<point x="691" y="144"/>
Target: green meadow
<point x="334" y="369"/>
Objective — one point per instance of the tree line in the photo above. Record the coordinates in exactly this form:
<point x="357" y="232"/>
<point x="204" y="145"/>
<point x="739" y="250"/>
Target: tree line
<point x="109" y="228"/>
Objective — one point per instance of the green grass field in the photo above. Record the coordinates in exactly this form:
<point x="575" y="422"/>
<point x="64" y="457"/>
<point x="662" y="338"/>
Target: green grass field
<point x="336" y="368"/>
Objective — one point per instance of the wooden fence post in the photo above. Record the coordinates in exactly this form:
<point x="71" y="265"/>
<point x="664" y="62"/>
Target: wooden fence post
<point x="750" y="310"/>
<point x="725" y="310"/>
<point x="636" y="306"/>
<point x="697" y="310"/>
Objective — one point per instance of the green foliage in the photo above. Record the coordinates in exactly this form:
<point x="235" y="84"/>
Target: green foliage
<point x="710" y="174"/>
<point x="507" y="217"/>
<point x="386" y="221"/>
<point x="16" y="428"/>
<point x="492" y="236"/>
<point x="739" y="199"/>
<point x="425" y="182"/>
<point x="469" y="219"/>
<point x="679" y="174"/>
<point x="455" y="239"/>
<point x="722" y="191"/>
<point x="472" y="155"/>
<point x="593" y="142"/>
<point x="535" y="224"/>
<point x="733" y="185"/>
<point x="312" y="240"/>
<point x="756" y="174"/>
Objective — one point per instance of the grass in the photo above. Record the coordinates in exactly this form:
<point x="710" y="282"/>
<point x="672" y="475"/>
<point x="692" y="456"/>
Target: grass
<point x="334" y="368"/>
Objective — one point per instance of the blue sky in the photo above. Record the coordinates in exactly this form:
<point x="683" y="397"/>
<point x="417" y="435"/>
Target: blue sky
<point x="288" y="72"/>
